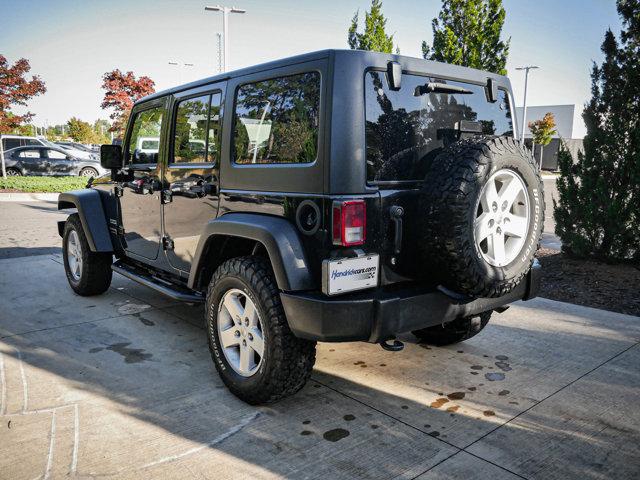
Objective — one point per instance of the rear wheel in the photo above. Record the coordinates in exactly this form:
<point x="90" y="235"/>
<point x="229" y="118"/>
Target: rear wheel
<point x="456" y="331"/>
<point x="256" y="354"/>
<point x="89" y="172"/>
<point x="88" y="273"/>
<point x="13" y="172"/>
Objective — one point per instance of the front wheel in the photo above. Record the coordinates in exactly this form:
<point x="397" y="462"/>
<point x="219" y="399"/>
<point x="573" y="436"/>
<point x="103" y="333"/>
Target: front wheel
<point x="256" y="354"/>
<point x="88" y="273"/>
<point x="13" y="172"/>
<point x="458" y="330"/>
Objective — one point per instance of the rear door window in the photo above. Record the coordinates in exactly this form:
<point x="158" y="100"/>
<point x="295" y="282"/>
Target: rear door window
<point x="406" y="129"/>
<point x="196" y="130"/>
<point x="276" y="120"/>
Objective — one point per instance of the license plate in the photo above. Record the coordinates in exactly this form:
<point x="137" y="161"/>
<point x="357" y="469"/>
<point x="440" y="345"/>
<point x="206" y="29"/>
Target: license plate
<point x="349" y="274"/>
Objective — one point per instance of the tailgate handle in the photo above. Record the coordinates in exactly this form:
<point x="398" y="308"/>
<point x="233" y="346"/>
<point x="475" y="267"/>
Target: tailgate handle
<point x="396" y="215"/>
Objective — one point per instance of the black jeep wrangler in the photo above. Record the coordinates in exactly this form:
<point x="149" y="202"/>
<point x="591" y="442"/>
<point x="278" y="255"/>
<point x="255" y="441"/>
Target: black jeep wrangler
<point x="334" y="196"/>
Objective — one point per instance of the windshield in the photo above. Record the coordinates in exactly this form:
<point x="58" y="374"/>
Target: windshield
<point x="406" y="129"/>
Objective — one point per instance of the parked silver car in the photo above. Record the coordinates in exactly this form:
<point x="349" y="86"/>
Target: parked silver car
<point x="49" y="161"/>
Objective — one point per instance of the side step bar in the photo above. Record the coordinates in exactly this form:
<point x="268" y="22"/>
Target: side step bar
<point x="166" y="288"/>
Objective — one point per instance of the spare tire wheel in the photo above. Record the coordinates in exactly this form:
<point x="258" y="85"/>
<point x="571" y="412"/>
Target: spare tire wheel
<point x="482" y="211"/>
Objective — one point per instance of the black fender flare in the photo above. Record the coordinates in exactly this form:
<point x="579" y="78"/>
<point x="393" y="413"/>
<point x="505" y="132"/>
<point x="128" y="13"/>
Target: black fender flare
<point x="92" y="216"/>
<point x="279" y="237"/>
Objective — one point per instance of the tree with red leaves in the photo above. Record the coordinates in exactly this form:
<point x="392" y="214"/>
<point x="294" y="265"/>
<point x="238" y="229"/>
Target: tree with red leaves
<point x="16" y="89"/>
<point x="121" y="92"/>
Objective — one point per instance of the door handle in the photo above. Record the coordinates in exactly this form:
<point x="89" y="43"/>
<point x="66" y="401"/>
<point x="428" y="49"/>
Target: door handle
<point x="396" y="215"/>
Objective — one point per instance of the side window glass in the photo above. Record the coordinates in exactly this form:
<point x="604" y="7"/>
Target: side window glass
<point x="196" y="130"/>
<point x="30" y="154"/>
<point x="190" y="144"/>
<point x="144" y="142"/>
<point x="56" y="155"/>
<point x="215" y="123"/>
<point x="10" y="143"/>
<point x="276" y="121"/>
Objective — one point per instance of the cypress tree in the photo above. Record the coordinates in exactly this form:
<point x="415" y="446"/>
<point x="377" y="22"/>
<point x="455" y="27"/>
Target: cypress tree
<point x="467" y="33"/>
<point x="374" y="37"/>
<point x="598" y="213"/>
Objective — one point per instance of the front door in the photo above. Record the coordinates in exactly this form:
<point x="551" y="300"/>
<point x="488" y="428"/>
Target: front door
<point x="191" y="176"/>
<point x="140" y="204"/>
<point x="59" y="162"/>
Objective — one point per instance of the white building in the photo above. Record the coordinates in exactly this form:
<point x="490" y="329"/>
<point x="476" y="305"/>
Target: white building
<point x="569" y="127"/>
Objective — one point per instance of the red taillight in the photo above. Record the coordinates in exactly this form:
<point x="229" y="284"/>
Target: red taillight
<point x="349" y="223"/>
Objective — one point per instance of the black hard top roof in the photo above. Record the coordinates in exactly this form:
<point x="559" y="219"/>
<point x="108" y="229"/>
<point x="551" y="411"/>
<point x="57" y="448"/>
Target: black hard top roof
<point x="306" y="57"/>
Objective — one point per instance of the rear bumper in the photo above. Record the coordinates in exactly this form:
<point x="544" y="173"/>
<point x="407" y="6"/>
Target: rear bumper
<point x="377" y="316"/>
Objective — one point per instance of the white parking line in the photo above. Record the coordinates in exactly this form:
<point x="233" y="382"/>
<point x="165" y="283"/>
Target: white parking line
<point x="76" y="438"/>
<point x="213" y="442"/>
<point x="52" y="441"/>
<point x="25" y="395"/>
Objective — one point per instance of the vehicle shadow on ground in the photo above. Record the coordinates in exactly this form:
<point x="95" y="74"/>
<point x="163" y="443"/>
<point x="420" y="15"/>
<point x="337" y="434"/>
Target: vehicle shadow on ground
<point x="156" y="369"/>
<point x="15" y="252"/>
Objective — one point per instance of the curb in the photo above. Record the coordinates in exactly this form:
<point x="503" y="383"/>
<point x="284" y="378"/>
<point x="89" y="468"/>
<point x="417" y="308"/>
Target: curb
<point x="29" y="197"/>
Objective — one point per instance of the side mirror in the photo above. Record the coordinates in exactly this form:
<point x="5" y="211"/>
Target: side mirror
<point x="111" y="156"/>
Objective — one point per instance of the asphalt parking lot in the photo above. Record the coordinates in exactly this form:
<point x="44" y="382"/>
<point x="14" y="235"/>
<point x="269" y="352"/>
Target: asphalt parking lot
<point x="122" y="386"/>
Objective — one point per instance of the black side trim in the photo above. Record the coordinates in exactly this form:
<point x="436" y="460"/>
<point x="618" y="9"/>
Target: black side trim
<point x="92" y="216"/>
<point x="279" y="237"/>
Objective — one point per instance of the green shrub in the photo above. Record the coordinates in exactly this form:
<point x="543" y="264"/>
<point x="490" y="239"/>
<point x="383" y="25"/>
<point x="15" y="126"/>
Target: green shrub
<point x="42" y="184"/>
<point x="598" y="213"/>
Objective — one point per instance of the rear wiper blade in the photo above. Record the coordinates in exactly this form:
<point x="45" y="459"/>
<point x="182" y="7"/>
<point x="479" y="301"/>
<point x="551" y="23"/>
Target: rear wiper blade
<point x="435" y="87"/>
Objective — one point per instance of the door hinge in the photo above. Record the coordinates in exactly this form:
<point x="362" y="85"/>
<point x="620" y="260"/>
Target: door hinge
<point x="167" y="243"/>
<point x="167" y="196"/>
<point x="117" y="190"/>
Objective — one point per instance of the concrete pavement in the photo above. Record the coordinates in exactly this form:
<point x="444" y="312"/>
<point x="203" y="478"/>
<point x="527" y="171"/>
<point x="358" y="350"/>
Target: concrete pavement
<point x="122" y="386"/>
<point x="29" y="228"/>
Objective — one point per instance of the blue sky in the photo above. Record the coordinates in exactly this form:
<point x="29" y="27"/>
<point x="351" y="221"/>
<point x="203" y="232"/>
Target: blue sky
<point x="72" y="43"/>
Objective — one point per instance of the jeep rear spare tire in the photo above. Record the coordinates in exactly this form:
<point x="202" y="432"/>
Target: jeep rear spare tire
<point x="483" y="212"/>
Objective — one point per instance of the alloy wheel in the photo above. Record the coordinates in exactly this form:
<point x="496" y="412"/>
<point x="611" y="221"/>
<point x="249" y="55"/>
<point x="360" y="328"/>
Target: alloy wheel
<point x="502" y="220"/>
<point x="240" y="332"/>
<point x="74" y="255"/>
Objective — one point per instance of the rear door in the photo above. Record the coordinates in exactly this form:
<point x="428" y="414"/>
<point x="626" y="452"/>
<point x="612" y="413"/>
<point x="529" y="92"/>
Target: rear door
<point x="34" y="161"/>
<point x="191" y="177"/>
<point x="405" y="132"/>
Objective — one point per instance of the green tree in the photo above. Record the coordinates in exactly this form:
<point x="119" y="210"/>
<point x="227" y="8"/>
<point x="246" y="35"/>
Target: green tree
<point x="542" y="131"/>
<point x="374" y="37"/>
<point x="598" y="213"/>
<point x="467" y="33"/>
<point x="79" y="131"/>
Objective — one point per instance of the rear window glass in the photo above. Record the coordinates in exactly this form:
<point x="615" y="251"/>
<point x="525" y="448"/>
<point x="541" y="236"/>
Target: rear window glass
<point x="276" y="121"/>
<point x="405" y="130"/>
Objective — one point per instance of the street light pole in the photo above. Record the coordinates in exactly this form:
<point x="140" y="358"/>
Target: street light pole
<point x="225" y="28"/>
<point x="524" y="105"/>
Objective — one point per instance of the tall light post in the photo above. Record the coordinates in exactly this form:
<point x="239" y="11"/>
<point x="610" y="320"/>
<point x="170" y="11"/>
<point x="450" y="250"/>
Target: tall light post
<point x="524" y="105"/>
<point x="225" y="28"/>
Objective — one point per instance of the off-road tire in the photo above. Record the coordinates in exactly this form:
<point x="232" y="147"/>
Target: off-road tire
<point x="449" y="204"/>
<point x="288" y="360"/>
<point x="456" y="331"/>
<point x="96" y="273"/>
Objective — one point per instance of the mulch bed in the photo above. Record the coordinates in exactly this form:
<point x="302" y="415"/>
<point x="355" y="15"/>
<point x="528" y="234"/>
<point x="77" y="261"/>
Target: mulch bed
<point x="614" y="287"/>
